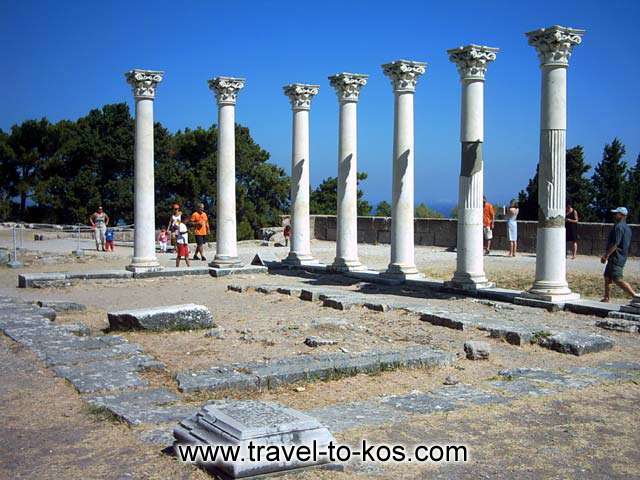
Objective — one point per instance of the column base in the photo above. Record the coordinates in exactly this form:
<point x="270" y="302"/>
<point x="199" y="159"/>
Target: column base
<point x="397" y="270"/>
<point x="298" y="259"/>
<point x="633" y="307"/>
<point x="143" y="265"/>
<point x="470" y="283"/>
<point x="555" y="292"/>
<point x="225" y="261"/>
<point x="341" y="265"/>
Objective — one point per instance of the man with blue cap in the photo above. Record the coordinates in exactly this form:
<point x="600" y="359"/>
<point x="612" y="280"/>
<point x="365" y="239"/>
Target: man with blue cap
<point x="616" y="255"/>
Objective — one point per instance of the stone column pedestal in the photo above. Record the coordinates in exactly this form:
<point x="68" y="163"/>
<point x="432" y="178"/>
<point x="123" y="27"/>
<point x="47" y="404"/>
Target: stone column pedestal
<point x="347" y="87"/>
<point x="226" y="91"/>
<point x="300" y="96"/>
<point x="472" y="62"/>
<point x="554" y="46"/>
<point x="144" y="83"/>
<point x="404" y="77"/>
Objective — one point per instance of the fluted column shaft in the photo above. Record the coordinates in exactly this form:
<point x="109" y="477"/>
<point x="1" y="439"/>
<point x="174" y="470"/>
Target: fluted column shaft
<point x="472" y="61"/>
<point x="403" y="75"/>
<point x="226" y="90"/>
<point x="144" y="83"/>
<point x="300" y="96"/>
<point x="554" y="46"/>
<point x="348" y="88"/>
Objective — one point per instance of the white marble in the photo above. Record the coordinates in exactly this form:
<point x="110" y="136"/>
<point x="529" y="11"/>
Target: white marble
<point x="472" y="62"/>
<point x="554" y="46"/>
<point x="348" y="86"/>
<point x="404" y="77"/>
<point x="226" y="91"/>
<point x="144" y="84"/>
<point x="300" y="96"/>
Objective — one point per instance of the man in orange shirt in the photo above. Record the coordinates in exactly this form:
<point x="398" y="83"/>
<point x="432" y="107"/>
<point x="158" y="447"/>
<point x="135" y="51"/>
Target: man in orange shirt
<point x="488" y="219"/>
<point x="200" y="222"/>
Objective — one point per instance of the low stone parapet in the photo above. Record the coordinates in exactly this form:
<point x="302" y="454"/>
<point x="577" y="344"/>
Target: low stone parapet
<point x="174" y="317"/>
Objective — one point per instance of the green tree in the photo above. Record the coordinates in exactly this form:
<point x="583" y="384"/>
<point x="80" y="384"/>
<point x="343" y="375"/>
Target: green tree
<point x="383" y="209"/>
<point x="579" y="187"/>
<point x="528" y="199"/>
<point x="324" y="199"/>
<point x="609" y="180"/>
<point x="8" y="172"/>
<point x="633" y="192"/>
<point x="422" y="211"/>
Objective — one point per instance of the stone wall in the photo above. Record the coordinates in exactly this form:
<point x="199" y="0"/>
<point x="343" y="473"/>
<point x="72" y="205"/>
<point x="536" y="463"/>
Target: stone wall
<point x="441" y="232"/>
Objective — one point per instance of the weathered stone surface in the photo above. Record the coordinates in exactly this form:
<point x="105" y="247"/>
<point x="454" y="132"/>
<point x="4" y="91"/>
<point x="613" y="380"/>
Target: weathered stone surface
<point x="576" y="343"/>
<point x="309" y="367"/>
<point x="590" y="307"/>
<point x="476" y="350"/>
<point x="77" y="328"/>
<point x="267" y="289"/>
<point x="61" y="306"/>
<point x="343" y="416"/>
<point x="318" y="341"/>
<point x="216" y="332"/>
<point x="246" y="270"/>
<point x="100" y="275"/>
<point x="619" y="325"/>
<point x="73" y="355"/>
<point x="513" y="334"/>
<point x="238" y="422"/>
<point x="237" y="288"/>
<point x="376" y="306"/>
<point x="633" y="317"/>
<point x="174" y="317"/>
<point x="109" y="374"/>
<point x="291" y="291"/>
<point x="444" y="321"/>
<point x="309" y="295"/>
<point x="534" y="302"/>
<point x="330" y="323"/>
<point x="218" y="378"/>
<point x="144" y="406"/>
<point x="266" y="259"/>
<point x="26" y="280"/>
<point x="340" y="303"/>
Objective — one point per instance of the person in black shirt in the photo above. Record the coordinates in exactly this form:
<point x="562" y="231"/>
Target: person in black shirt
<point x="616" y="255"/>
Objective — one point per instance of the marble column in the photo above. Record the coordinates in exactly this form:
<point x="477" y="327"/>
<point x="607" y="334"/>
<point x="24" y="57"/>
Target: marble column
<point x="226" y="91"/>
<point x="472" y="62"/>
<point x="404" y="77"/>
<point x="300" y="96"/>
<point x="144" y="84"/>
<point x="554" y="46"/>
<point x="347" y="87"/>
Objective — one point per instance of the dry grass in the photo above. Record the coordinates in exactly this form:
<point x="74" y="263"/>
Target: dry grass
<point x="587" y="284"/>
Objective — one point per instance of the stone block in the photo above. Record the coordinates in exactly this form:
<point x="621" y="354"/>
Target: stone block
<point x="48" y="313"/>
<point x="291" y="291"/>
<point x="174" y="317"/>
<point x="27" y="280"/>
<point x="513" y="334"/>
<point x="619" y="325"/>
<point x="590" y="307"/>
<point x="265" y="259"/>
<point x="216" y="378"/>
<point x="314" y="341"/>
<point x="340" y="303"/>
<point x="634" y="317"/>
<point x="444" y="321"/>
<point x="236" y="288"/>
<point x="239" y="422"/>
<point x="476" y="350"/>
<point x="100" y="275"/>
<point x="309" y="295"/>
<point x="536" y="303"/>
<point x="246" y="270"/>
<point x="576" y="343"/>
<point x="61" y="306"/>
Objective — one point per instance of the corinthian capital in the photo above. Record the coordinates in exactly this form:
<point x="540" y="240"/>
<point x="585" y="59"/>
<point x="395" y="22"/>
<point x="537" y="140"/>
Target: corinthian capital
<point x="404" y="74"/>
<point x="144" y="82"/>
<point x="348" y="85"/>
<point x="300" y="95"/>
<point x="472" y="60"/>
<point x="555" y="44"/>
<point x="226" y="89"/>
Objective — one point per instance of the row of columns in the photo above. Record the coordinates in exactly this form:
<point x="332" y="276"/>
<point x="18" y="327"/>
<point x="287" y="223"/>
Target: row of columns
<point x="554" y="46"/>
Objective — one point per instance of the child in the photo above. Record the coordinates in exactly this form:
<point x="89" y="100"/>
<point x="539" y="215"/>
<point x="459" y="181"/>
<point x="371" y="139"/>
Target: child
<point x="108" y="239"/>
<point x="182" y="240"/>
<point x="163" y="239"/>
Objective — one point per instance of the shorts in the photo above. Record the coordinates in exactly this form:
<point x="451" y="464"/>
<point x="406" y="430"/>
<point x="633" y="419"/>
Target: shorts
<point x="183" y="250"/>
<point x="613" y="271"/>
<point x="488" y="233"/>
<point x="201" y="239"/>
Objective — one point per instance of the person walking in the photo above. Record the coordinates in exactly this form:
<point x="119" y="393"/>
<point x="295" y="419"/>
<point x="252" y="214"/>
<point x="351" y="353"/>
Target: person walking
<point x="182" y="240"/>
<point x="512" y="227"/>
<point x="200" y="222"/>
<point x="571" y="226"/>
<point x="616" y="254"/>
<point x="99" y="221"/>
<point x="488" y="221"/>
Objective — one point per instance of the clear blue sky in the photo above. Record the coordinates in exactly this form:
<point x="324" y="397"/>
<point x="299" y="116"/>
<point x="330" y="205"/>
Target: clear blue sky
<point x="62" y="58"/>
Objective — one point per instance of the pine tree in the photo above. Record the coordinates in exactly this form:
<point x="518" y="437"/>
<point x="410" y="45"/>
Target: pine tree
<point x="528" y="199"/>
<point x="324" y="199"/>
<point x="609" y="180"/>
<point x="383" y="209"/>
<point x="633" y="192"/>
<point x="579" y="187"/>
